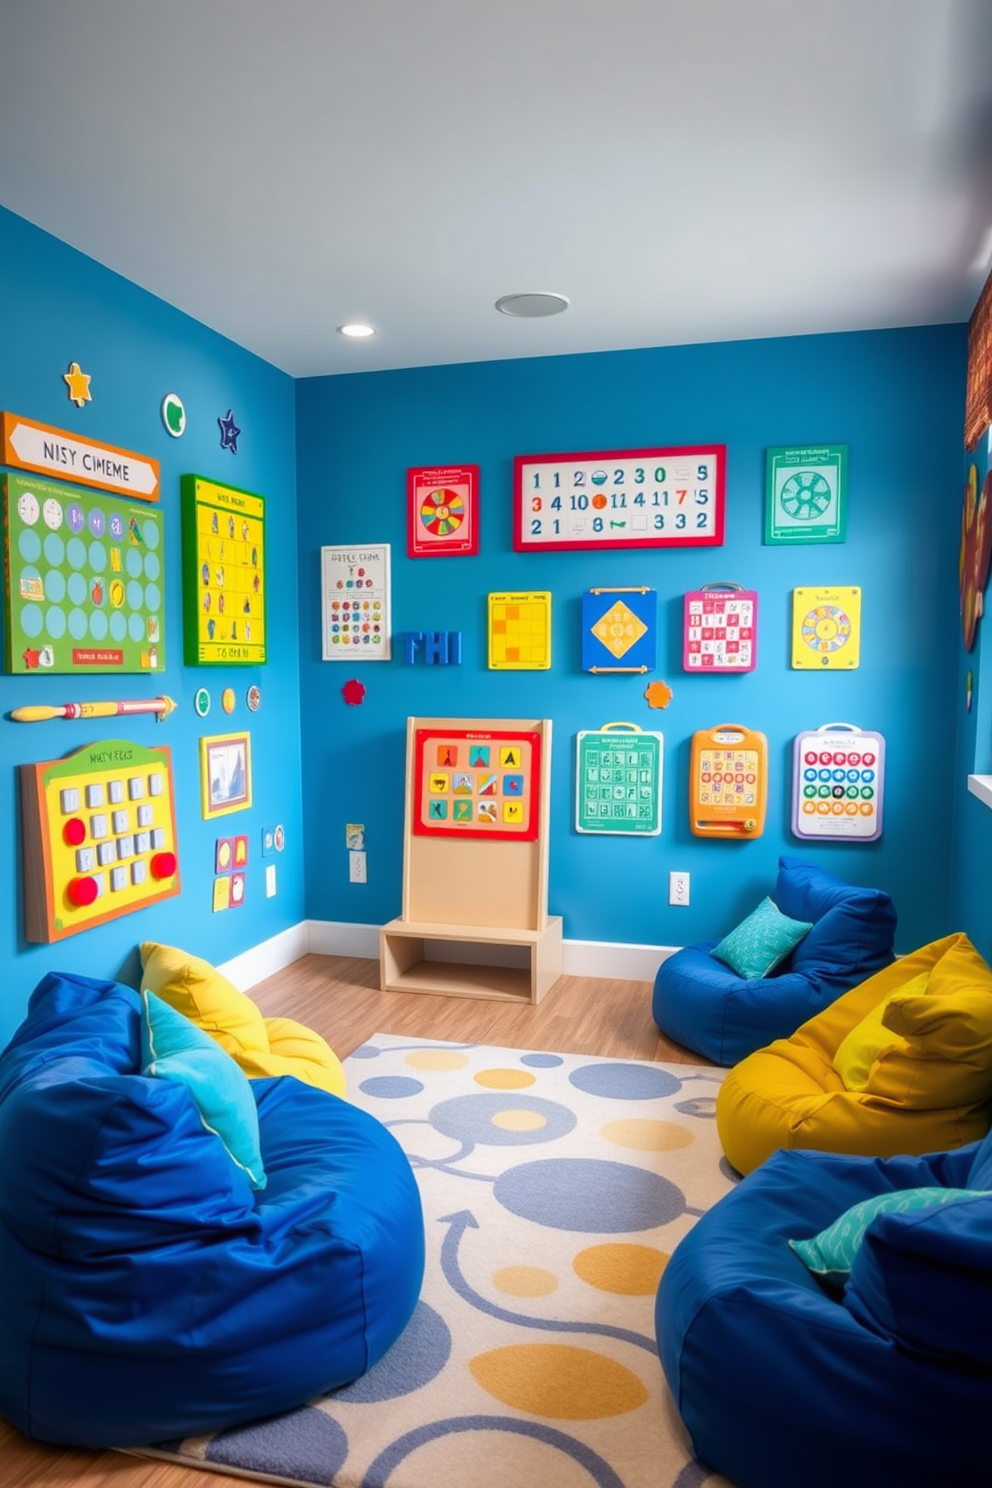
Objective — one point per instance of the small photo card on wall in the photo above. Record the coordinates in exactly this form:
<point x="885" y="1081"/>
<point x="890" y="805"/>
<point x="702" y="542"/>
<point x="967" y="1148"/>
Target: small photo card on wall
<point x="806" y="494"/>
<point x="355" y="607"/>
<point x="442" y="511"/>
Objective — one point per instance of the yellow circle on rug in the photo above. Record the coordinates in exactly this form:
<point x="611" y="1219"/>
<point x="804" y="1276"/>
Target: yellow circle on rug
<point x="519" y="1120"/>
<point x="625" y="1270"/>
<point x="436" y="1059"/>
<point x="504" y="1079"/>
<point x="556" y="1380"/>
<point x="525" y="1281"/>
<point x="647" y="1136"/>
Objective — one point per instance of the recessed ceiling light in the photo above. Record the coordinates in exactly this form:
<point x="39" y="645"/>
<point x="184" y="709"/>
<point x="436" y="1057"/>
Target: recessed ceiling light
<point x="356" y="329"/>
<point x="528" y="306"/>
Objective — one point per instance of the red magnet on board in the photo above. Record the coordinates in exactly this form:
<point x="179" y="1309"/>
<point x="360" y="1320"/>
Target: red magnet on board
<point x="74" y="834"/>
<point x="163" y="865"/>
<point x="82" y="892"/>
<point x="353" y="692"/>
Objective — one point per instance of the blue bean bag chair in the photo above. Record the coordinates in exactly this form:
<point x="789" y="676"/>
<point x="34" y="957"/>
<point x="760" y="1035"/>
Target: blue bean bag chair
<point x="147" y="1289"/>
<point x="705" y="1005"/>
<point x="784" y="1379"/>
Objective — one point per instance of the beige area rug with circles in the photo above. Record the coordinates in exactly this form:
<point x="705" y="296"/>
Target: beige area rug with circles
<point x="555" y="1187"/>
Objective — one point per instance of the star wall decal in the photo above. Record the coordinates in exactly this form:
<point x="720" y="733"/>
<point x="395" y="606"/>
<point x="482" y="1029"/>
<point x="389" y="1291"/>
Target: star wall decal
<point x="229" y="432"/>
<point x="78" y="383"/>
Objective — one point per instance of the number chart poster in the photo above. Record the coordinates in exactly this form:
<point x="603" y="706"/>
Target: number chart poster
<point x="471" y="783"/>
<point x="223" y="574"/>
<point x="651" y="498"/>
<point x="806" y="495"/>
<point x="84" y="580"/>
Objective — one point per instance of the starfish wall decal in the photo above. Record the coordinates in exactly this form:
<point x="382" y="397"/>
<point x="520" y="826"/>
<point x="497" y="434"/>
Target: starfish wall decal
<point x="229" y="432"/>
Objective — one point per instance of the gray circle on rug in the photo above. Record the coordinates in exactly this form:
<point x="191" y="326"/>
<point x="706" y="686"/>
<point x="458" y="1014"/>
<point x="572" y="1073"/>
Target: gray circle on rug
<point x="391" y="1087"/>
<point x="476" y="1118"/>
<point x="542" y="1061"/>
<point x="304" y="1444"/>
<point x="626" y="1081"/>
<point x="588" y="1195"/>
<point x="418" y="1355"/>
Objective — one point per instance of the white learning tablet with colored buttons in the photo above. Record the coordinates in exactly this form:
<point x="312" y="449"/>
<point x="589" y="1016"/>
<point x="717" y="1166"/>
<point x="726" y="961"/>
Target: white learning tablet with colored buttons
<point x="837" y="783"/>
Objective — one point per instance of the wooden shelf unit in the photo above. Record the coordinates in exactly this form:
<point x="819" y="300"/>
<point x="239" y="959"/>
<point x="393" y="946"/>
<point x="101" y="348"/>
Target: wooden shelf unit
<point x="403" y="967"/>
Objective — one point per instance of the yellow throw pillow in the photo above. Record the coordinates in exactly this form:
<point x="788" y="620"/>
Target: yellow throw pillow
<point x="195" y="988"/>
<point x="856" y="1054"/>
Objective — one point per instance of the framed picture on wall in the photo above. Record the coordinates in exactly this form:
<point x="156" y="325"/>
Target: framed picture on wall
<point x="354" y="603"/>
<point x="225" y="774"/>
<point x="442" y="511"/>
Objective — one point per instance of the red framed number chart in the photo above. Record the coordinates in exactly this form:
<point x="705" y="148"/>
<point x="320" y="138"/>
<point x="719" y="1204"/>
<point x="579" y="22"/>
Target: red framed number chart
<point x="838" y="778"/>
<point x="476" y="783"/>
<point x="442" y="511"/>
<point x="666" y="497"/>
<point x="721" y="629"/>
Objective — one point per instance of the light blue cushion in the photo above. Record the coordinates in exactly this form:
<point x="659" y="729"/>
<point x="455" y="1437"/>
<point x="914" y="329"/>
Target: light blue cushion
<point x="173" y="1048"/>
<point x="761" y="941"/>
<point x="831" y="1253"/>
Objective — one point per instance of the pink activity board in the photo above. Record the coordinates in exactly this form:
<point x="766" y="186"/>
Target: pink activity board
<point x="720" y="629"/>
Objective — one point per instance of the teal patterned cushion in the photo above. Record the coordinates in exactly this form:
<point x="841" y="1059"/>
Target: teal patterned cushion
<point x="761" y="941"/>
<point x="831" y="1253"/>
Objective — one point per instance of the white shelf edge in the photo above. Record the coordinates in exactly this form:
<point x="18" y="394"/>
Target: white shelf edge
<point x="981" y="786"/>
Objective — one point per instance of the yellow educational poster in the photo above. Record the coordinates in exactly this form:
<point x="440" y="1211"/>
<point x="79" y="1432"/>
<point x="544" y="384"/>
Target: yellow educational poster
<point x="520" y="632"/>
<point x="826" y="629"/>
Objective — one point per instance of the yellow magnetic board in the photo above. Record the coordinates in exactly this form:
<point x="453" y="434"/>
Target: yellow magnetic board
<point x="728" y="782"/>
<point x="826" y="629"/>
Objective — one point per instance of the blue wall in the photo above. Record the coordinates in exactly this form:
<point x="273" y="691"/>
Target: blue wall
<point x="895" y="397"/>
<point x="57" y="306"/>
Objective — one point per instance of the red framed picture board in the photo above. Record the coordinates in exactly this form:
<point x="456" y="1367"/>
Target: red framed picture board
<point x="665" y="497"/>
<point x="477" y="783"/>
<point x="442" y="511"/>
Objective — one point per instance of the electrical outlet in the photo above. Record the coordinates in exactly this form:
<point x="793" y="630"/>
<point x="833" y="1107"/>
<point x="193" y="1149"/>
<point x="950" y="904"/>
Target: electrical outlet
<point x="356" y="868"/>
<point x="678" y="888"/>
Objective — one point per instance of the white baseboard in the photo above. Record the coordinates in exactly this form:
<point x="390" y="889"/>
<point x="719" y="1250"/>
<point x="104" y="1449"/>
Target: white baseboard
<point x="599" y="958"/>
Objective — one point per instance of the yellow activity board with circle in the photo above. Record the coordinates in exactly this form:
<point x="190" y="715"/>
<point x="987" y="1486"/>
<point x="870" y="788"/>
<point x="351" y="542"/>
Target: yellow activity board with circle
<point x="826" y="629"/>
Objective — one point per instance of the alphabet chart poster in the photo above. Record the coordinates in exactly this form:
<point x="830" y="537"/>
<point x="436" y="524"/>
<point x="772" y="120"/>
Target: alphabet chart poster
<point x="354" y="588"/>
<point x="471" y="783"/>
<point x="223" y="574"/>
<point x="84" y="580"/>
<point x="649" y="498"/>
<point x="618" y="776"/>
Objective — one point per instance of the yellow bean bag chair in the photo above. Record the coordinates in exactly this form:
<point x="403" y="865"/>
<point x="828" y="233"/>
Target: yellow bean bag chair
<point x="900" y="1064"/>
<point x="261" y="1046"/>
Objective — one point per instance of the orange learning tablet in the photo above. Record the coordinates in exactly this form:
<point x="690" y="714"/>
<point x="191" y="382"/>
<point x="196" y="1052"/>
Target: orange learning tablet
<point x="728" y="776"/>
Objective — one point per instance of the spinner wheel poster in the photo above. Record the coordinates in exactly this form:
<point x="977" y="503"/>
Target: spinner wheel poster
<point x="826" y="629"/>
<point x="442" y="511"/>
<point x="838" y="783"/>
<point x="224" y="596"/>
<point x="84" y="580"/>
<point x="618" y="780"/>
<point x="806" y="495"/>
<point x="476" y="783"/>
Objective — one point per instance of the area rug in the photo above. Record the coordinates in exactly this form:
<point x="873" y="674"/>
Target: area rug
<point x="555" y="1187"/>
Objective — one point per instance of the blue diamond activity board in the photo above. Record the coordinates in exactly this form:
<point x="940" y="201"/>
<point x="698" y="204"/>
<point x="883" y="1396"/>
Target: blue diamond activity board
<point x="618" y="777"/>
<point x="838" y="775"/>
<point x="619" y="630"/>
<point x="84" y="580"/>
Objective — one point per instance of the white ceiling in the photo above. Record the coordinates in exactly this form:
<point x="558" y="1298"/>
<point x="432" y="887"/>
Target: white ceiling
<point x="682" y="170"/>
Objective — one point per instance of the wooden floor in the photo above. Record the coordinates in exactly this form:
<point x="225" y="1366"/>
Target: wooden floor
<point x="340" y="998"/>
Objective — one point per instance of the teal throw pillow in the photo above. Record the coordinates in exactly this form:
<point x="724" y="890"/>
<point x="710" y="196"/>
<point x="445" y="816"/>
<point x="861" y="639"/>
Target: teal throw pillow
<point x="761" y="941"/>
<point x="173" y="1048"/>
<point x="831" y="1253"/>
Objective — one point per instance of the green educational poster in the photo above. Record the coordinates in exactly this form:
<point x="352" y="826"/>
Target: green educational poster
<point x="618" y="780"/>
<point x="806" y="494"/>
<point x="84" y="583"/>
